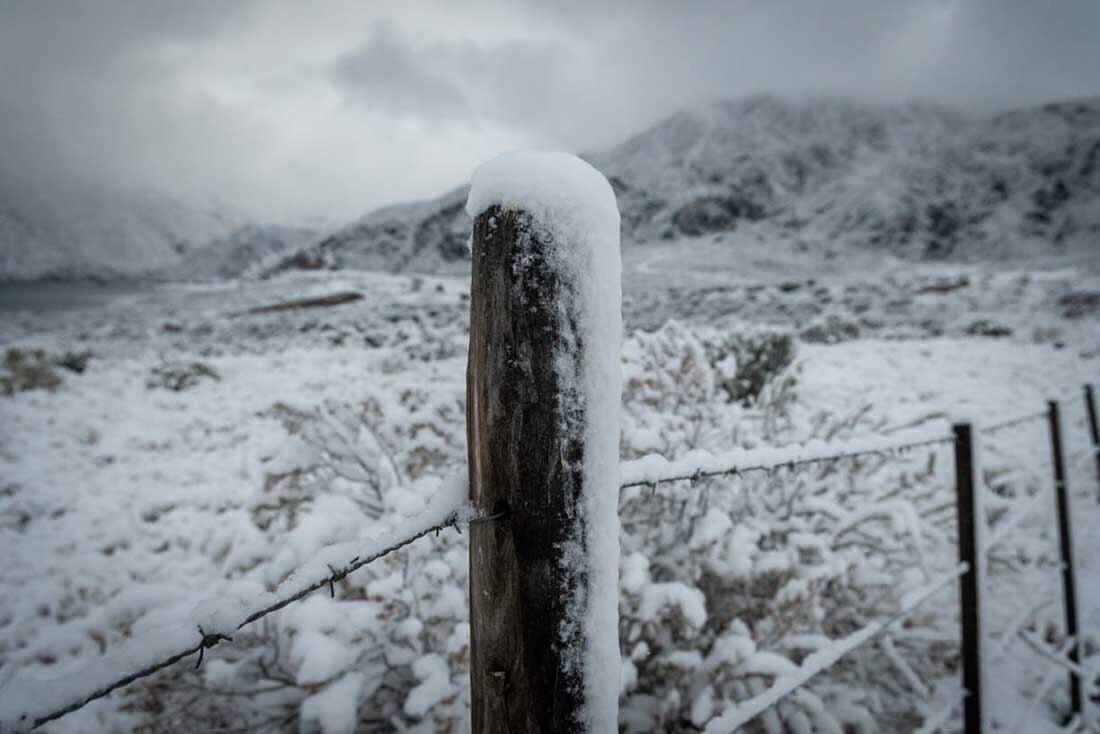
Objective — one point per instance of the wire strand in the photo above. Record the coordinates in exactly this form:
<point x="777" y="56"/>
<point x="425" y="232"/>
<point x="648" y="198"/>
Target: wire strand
<point x="680" y="475"/>
<point x="992" y="428"/>
<point x="208" y="641"/>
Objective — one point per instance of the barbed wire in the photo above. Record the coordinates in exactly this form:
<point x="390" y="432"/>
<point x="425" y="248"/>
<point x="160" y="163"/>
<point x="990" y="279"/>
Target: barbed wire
<point x="1067" y="399"/>
<point x="452" y="520"/>
<point x="700" y="473"/>
<point x="992" y="428"/>
<point x="679" y="474"/>
<point x="207" y="641"/>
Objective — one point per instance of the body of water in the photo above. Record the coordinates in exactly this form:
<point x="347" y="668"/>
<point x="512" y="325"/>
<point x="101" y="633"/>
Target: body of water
<point x="63" y="295"/>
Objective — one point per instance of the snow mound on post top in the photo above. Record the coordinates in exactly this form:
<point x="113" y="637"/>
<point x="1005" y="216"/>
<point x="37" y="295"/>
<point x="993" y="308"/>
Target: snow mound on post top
<point x="574" y="204"/>
<point x="559" y="190"/>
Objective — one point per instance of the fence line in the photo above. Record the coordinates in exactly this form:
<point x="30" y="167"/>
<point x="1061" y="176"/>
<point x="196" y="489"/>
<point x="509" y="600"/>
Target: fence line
<point x="1065" y="547"/>
<point x="785" y="685"/>
<point x="646" y="471"/>
<point x="418" y="527"/>
<point x="653" y="469"/>
<point x="993" y="428"/>
<point x="968" y="522"/>
<point x="1094" y="430"/>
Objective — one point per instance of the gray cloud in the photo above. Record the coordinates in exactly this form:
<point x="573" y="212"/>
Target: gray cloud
<point x="289" y="111"/>
<point x="389" y="73"/>
<point x="461" y="83"/>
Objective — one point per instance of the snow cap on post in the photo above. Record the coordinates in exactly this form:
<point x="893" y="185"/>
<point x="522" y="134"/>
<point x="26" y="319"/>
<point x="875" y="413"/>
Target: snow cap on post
<point x="546" y="318"/>
<point x="561" y="192"/>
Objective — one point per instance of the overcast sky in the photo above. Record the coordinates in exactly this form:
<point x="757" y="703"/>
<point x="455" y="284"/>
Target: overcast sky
<point x="287" y="110"/>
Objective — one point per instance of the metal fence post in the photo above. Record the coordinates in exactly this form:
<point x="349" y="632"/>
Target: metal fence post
<point x="1094" y="431"/>
<point x="968" y="583"/>
<point x="1065" y="544"/>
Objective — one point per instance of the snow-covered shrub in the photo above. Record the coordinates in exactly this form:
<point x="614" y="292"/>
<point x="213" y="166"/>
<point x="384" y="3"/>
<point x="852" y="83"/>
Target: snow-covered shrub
<point x="732" y="582"/>
<point x="729" y="582"/>
<point x="178" y="376"/>
<point x="831" y="330"/>
<point x="724" y="584"/>
<point x="679" y="382"/>
<point x="28" y="370"/>
<point x="389" y="651"/>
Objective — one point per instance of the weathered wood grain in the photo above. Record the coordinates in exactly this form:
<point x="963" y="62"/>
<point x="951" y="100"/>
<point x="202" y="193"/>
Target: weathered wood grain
<point x="525" y="438"/>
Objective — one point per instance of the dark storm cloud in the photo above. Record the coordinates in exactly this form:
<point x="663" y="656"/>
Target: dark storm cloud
<point x="287" y="109"/>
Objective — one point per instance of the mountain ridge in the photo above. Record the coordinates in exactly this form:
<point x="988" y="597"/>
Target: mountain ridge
<point x="918" y="180"/>
<point x="76" y="232"/>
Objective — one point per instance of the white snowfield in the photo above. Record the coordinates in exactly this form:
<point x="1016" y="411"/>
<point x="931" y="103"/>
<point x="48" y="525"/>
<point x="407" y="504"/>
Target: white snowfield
<point x="574" y="206"/>
<point x="122" y="506"/>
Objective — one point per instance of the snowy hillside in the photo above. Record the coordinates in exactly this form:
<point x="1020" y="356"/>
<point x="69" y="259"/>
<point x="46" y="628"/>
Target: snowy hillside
<point x="427" y="236"/>
<point x="917" y="180"/>
<point x="240" y="254"/>
<point x="97" y="232"/>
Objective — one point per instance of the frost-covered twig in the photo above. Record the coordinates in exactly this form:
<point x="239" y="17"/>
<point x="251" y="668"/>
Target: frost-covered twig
<point x="1059" y="659"/>
<point x="28" y="704"/>
<point x="1048" y="682"/>
<point x="936" y="721"/>
<point x="911" y="677"/>
<point x="654" y="469"/>
<point x="1009" y="633"/>
<point x="817" y="662"/>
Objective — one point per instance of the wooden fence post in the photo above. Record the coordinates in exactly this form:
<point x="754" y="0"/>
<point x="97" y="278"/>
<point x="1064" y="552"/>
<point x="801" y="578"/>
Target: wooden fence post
<point x="1094" y="431"/>
<point x="526" y="425"/>
<point x="1065" y="544"/>
<point x="969" y="599"/>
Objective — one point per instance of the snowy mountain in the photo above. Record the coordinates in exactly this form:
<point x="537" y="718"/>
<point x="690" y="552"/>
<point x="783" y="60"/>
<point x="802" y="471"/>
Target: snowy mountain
<point x="917" y="180"/>
<point x="242" y="253"/>
<point x="426" y="236"/>
<point x="85" y="231"/>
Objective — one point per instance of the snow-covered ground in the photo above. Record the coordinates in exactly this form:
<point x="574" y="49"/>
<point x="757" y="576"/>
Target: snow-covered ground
<point x="124" y="502"/>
